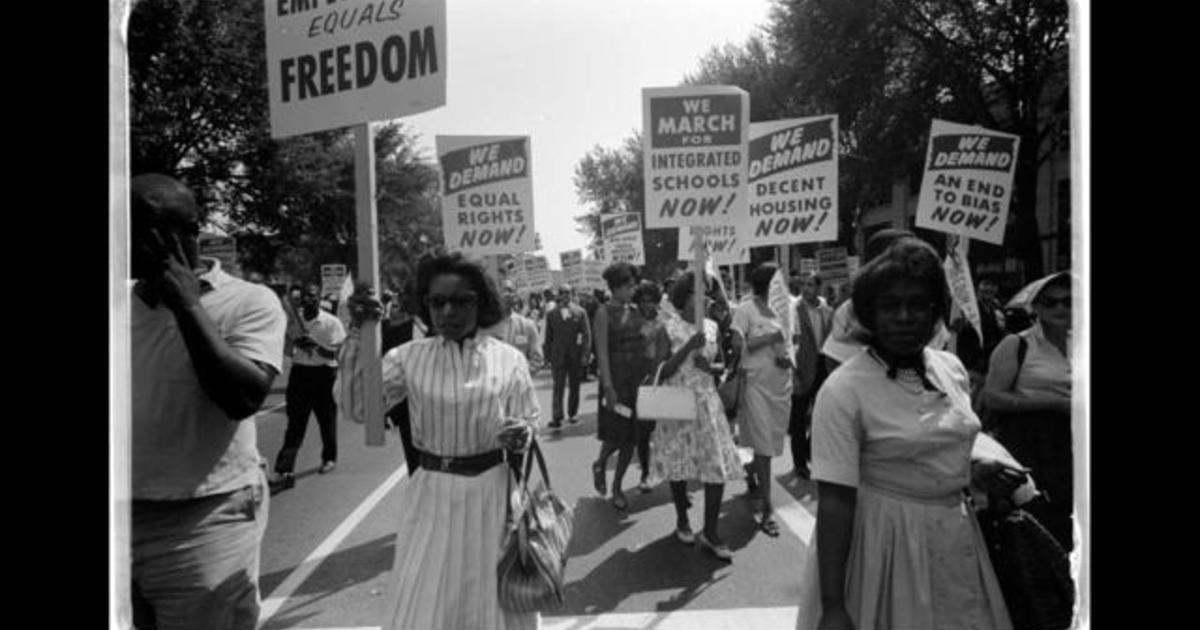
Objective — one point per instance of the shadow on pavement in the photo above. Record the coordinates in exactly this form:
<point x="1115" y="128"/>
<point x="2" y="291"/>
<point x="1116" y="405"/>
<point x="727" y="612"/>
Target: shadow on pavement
<point x="603" y="524"/>
<point x="276" y="488"/>
<point x="624" y="573"/>
<point x="339" y="571"/>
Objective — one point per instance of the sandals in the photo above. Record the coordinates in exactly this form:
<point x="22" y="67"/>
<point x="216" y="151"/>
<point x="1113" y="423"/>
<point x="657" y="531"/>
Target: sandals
<point x="721" y="551"/>
<point x="598" y="480"/>
<point x="769" y="525"/>
<point x="619" y="501"/>
<point x="644" y="487"/>
<point x="685" y="536"/>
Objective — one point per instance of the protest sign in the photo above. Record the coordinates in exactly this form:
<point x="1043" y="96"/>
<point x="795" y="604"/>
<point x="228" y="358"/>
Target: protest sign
<point x="722" y="242"/>
<point x="223" y="248"/>
<point x="780" y="301"/>
<point x="958" y="278"/>
<point x="537" y="271"/>
<point x="335" y="65"/>
<point x="558" y="278"/>
<point x="332" y="278"/>
<point x="622" y="238"/>
<point x="694" y="143"/>
<point x="487" y="194"/>
<point x="809" y="264"/>
<point x="832" y="263"/>
<point x="572" y="267"/>
<point x="593" y="275"/>
<point x="793" y="175"/>
<point x="968" y="179"/>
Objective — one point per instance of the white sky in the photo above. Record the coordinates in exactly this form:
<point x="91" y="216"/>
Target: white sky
<point x="569" y="74"/>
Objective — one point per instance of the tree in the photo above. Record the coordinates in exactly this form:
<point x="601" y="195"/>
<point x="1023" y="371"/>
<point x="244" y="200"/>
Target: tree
<point x="199" y="111"/>
<point x="612" y="180"/>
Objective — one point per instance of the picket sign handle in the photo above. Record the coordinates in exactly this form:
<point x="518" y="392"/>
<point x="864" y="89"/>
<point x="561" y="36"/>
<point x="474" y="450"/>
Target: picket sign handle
<point x="367" y="225"/>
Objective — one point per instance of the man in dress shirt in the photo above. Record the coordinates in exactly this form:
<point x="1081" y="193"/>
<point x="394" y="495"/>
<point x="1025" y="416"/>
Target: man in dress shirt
<point x="310" y="387"/>
<point x="814" y="320"/>
<point x="205" y="348"/>
<point x="568" y="339"/>
<point x="517" y="330"/>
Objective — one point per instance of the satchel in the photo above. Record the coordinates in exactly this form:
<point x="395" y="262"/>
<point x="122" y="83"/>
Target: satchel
<point x="731" y="391"/>
<point x="533" y="556"/>
<point x="1033" y="570"/>
<point x="665" y="402"/>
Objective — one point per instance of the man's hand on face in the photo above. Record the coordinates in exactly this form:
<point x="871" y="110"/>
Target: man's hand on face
<point x="176" y="283"/>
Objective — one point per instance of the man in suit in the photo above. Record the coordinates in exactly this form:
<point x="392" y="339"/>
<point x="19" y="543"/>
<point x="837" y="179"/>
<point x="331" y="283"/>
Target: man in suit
<point x="814" y="320"/>
<point x="566" y="348"/>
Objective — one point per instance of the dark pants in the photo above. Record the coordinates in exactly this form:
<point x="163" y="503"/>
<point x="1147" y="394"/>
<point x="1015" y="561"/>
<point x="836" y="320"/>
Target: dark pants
<point x="570" y="374"/>
<point x="1041" y="441"/>
<point x="309" y="390"/>
<point x="799" y="426"/>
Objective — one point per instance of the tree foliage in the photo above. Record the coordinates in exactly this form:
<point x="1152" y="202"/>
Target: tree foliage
<point x="199" y="111"/>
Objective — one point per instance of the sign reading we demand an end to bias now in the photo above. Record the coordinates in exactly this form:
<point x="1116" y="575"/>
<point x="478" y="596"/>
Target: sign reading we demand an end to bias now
<point x="487" y="194"/>
<point x="338" y="63"/>
<point x="967" y="184"/>
<point x="695" y="155"/>
<point x="793" y="174"/>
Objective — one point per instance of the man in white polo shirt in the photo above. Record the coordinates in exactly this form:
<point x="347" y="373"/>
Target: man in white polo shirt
<point x="310" y="386"/>
<point x="205" y="347"/>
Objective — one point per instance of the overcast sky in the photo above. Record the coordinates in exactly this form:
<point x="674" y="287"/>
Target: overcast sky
<point x="569" y="74"/>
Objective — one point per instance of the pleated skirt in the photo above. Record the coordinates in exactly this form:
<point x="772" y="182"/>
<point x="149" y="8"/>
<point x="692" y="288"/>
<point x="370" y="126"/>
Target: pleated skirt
<point x="447" y="547"/>
<point x="912" y="565"/>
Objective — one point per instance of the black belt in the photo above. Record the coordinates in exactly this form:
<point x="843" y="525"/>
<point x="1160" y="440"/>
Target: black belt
<point x="469" y="465"/>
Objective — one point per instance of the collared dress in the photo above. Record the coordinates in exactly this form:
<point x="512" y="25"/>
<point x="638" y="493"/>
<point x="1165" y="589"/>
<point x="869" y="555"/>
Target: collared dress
<point x="917" y="558"/>
<point x="451" y="526"/>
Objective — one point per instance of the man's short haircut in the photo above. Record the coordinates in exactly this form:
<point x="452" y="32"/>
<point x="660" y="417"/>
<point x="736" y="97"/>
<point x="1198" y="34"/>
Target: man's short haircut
<point x="881" y="240"/>
<point x="647" y="290"/>
<point x="907" y="259"/>
<point x="760" y="278"/>
<point x="488" y="304"/>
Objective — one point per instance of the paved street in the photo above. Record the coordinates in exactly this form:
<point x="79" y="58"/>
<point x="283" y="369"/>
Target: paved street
<point x="328" y="549"/>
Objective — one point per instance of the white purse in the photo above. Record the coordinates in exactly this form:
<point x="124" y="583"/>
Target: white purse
<point x="670" y="403"/>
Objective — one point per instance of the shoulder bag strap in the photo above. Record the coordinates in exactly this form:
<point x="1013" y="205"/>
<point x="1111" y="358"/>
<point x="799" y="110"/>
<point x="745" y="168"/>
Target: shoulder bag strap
<point x="1022" y="350"/>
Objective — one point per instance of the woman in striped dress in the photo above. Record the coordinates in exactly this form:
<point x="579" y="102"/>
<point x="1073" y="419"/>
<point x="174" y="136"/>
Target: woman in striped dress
<point x="470" y="398"/>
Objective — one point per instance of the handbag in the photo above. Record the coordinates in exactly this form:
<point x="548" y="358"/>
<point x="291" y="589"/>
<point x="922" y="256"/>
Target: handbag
<point x="731" y="391"/>
<point x="1033" y="570"/>
<point x="666" y="402"/>
<point x="533" y="555"/>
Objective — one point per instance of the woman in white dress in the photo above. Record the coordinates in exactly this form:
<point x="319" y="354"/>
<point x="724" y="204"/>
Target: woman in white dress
<point x="892" y="434"/>
<point x="471" y="401"/>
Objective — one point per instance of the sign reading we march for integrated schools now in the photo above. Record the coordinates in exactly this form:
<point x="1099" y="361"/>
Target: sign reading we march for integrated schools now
<point x="622" y="238"/>
<point x="335" y="64"/>
<point x="967" y="184"/>
<point x="695" y="155"/>
<point x="487" y="194"/>
<point x="793" y="171"/>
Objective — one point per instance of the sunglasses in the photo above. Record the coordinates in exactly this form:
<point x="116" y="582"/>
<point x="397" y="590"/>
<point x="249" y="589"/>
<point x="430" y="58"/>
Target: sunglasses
<point x="438" y="302"/>
<point x="1064" y="302"/>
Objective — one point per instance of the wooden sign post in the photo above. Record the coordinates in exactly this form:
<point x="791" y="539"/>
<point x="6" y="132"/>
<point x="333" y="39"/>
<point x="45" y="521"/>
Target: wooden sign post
<point x="699" y="262"/>
<point x="367" y="222"/>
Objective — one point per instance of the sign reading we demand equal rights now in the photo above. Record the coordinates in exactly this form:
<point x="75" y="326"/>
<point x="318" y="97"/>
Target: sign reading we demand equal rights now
<point x="487" y="194"/>
<point x="967" y="184"/>
<point x="335" y="64"/>
<point x="793" y="182"/>
<point x="695" y="155"/>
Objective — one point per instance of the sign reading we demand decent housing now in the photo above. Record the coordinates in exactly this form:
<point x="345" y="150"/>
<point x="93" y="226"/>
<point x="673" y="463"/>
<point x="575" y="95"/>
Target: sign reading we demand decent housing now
<point x="335" y="64"/>
<point x="793" y="173"/>
<point x="968" y="178"/>
<point x="487" y="194"/>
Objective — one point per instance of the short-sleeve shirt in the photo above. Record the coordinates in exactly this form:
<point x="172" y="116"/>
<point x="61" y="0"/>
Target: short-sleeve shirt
<point x="458" y="396"/>
<point x="184" y="445"/>
<point x="1045" y="369"/>
<point x="749" y="321"/>
<point x="893" y="434"/>
<point x="328" y="331"/>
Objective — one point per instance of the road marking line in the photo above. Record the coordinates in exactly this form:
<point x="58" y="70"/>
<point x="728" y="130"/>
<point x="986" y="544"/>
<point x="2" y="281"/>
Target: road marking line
<point x="280" y="595"/>
<point x="272" y="409"/>
<point x="783" y="617"/>
<point x="793" y="513"/>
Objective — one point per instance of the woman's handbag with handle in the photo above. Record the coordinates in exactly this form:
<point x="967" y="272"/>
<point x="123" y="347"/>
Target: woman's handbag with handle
<point x="658" y="403"/>
<point x="731" y="391"/>
<point x="533" y="556"/>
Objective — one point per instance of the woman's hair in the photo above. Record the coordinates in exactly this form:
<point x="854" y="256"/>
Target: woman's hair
<point x="489" y="312"/>
<point x="760" y="278"/>
<point x="619" y="274"/>
<point x="908" y="258"/>
<point x="647" y="290"/>
<point x="681" y="290"/>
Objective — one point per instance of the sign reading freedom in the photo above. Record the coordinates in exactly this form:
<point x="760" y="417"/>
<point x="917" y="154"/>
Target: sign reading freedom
<point x="694" y="141"/>
<point x="333" y="65"/>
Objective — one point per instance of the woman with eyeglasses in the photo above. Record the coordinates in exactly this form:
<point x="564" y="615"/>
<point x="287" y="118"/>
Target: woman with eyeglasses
<point x="472" y="403"/>
<point x="704" y="449"/>
<point x="765" y="405"/>
<point x="1030" y="390"/>
<point x="892" y="438"/>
